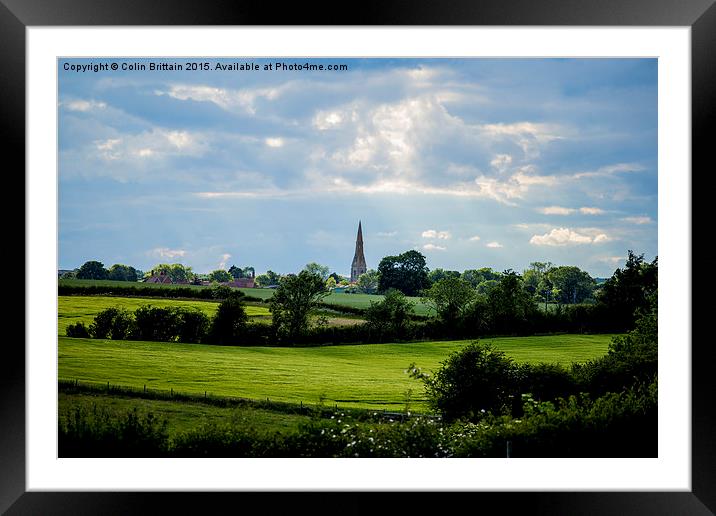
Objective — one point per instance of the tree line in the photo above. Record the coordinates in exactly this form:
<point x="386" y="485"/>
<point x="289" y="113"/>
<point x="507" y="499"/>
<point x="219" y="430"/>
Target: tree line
<point x="460" y="310"/>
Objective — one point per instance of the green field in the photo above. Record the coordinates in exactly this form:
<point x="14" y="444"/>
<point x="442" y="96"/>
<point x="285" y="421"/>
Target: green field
<point x="183" y="416"/>
<point x="367" y="375"/>
<point x="73" y="309"/>
<point x="351" y="300"/>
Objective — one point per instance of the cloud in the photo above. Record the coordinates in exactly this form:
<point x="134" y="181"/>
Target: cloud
<point x="565" y="236"/>
<point x="501" y="162"/>
<point x="514" y="187"/>
<point x="611" y="259"/>
<point x="529" y="136"/>
<point x="431" y="233"/>
<point x="223" y="259"/>
<point x="83" y="105"/>
<point x="494" y="245"/>
<point x="166" y="253"/>
<point x="638" y="220"/>
<point x="611" y="170"/>
<point x="474" y="238"/>
<point x="157" y="143"/>
<point x="274" y="142"/>
<point x="591" y="211"/>
<point x="433" y="247"/>
<point x="234" y="100"/>
<point x="556" y="210"/>
<point x="386" y="234"/>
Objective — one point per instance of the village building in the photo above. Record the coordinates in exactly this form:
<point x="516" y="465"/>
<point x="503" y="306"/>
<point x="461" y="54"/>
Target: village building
<point x="159" y="278"/>
<point x="358" y="266"/>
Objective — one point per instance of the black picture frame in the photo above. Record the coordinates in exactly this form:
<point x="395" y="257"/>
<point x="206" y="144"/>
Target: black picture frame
<point x="699" y="15"/>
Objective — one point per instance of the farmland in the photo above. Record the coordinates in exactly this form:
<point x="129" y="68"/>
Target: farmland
<point x="73" y="309"/>
<point x="342" y="299"/>
<point x="367" y="376"/>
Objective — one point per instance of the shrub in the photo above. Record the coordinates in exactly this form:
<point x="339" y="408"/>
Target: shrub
<point x="229" y="322"/>
<point x="101" y="433"/>
<point x="614" y="425"/>
<point x="389" y="317"/>
<point x="193" y="325"/>
<point x="113" y="323"/>
<point x="472" y="382"/>
<point x="78" y="330"/>
<point x="631" y="359"/>
<point x="543" y="382"/>
<point x="155" y="323"/>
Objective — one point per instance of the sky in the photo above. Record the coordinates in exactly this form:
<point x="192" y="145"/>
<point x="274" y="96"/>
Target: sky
<point x="473" y="162"/>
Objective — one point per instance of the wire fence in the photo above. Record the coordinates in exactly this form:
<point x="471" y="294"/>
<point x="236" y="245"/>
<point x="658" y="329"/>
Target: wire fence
<point x="71" y="386"/>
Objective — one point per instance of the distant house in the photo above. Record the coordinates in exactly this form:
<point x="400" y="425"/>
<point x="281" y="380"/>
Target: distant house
<point x="241" y="283"/>
<point x="159" y="278"/>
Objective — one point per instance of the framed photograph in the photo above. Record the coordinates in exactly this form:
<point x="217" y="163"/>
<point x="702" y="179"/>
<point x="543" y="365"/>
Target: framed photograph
<point x="499" y="143"/>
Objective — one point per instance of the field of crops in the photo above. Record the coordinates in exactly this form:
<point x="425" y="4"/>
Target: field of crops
<point x="368" y="375"/>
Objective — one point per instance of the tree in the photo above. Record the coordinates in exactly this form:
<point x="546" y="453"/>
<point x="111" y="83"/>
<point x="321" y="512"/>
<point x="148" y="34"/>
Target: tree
<point x="391" y="315"/>
<point x="337" y="277"/>
<point x="177" y="272"/>
<point x="268" y="279"/>
<point x="629" y="289"/>
<point x="220" y="276"/>
<point x="318" y="269"/>
<point x="476" y="276"/>
<point x="406" y="272"/>
<point x="485" y="287"/>
<point x="294" y="298"/>
<point x="119" y="272"/>
<point x="574" y="284"/>
<point x="450" y="297"/>
<point x="229" y="323"/>
<point x="535" y="274"/>
<point x="510" y="306"/>
<point x="331" y="283"/>
<point x="92" y="270"/>
<point x="436" y="275"/>
<point x="238" y="272"/>
<point x="537" y="281"/>
<point x="368" y="282"/>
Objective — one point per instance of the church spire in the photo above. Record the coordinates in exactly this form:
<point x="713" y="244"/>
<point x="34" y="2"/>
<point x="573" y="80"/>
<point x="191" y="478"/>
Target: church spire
<point x="358" y="266"/>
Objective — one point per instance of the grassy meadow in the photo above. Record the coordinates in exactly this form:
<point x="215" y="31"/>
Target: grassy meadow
<point x="73" y="309"/>
<point x="343" y="299"/>
<point x="361" y="376"/>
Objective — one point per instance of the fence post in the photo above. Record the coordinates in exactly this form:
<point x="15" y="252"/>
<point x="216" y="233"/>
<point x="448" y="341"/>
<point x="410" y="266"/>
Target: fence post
<point x="107" y="386"/>
<point x="145" y="388"/>
<point x="172" y="392"/>
<point x="509" y="449"/>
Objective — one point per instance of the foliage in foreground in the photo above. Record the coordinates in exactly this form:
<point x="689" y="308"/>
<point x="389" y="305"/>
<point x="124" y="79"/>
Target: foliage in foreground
<point x="478" y="380"/>
<point x="615" y="425"/>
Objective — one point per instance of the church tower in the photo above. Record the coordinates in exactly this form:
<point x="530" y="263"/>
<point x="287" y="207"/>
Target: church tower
<point x="358" y="266"/>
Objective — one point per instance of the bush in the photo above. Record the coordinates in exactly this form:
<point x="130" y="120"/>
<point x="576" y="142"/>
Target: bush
<point x="193" y="325"/>
<point x="544" y="382"/>
<point x="390" y="316"/>
<point x="113" y="323"/>
<point x="229" y="323"/>
<point x="631" y="359"/>
<point x="615" y="425"/>
<point x="472" y="382"/>
<point x="101" y="433"/>
<point x="78" y="330"/>
<point x="158" y="324"/>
